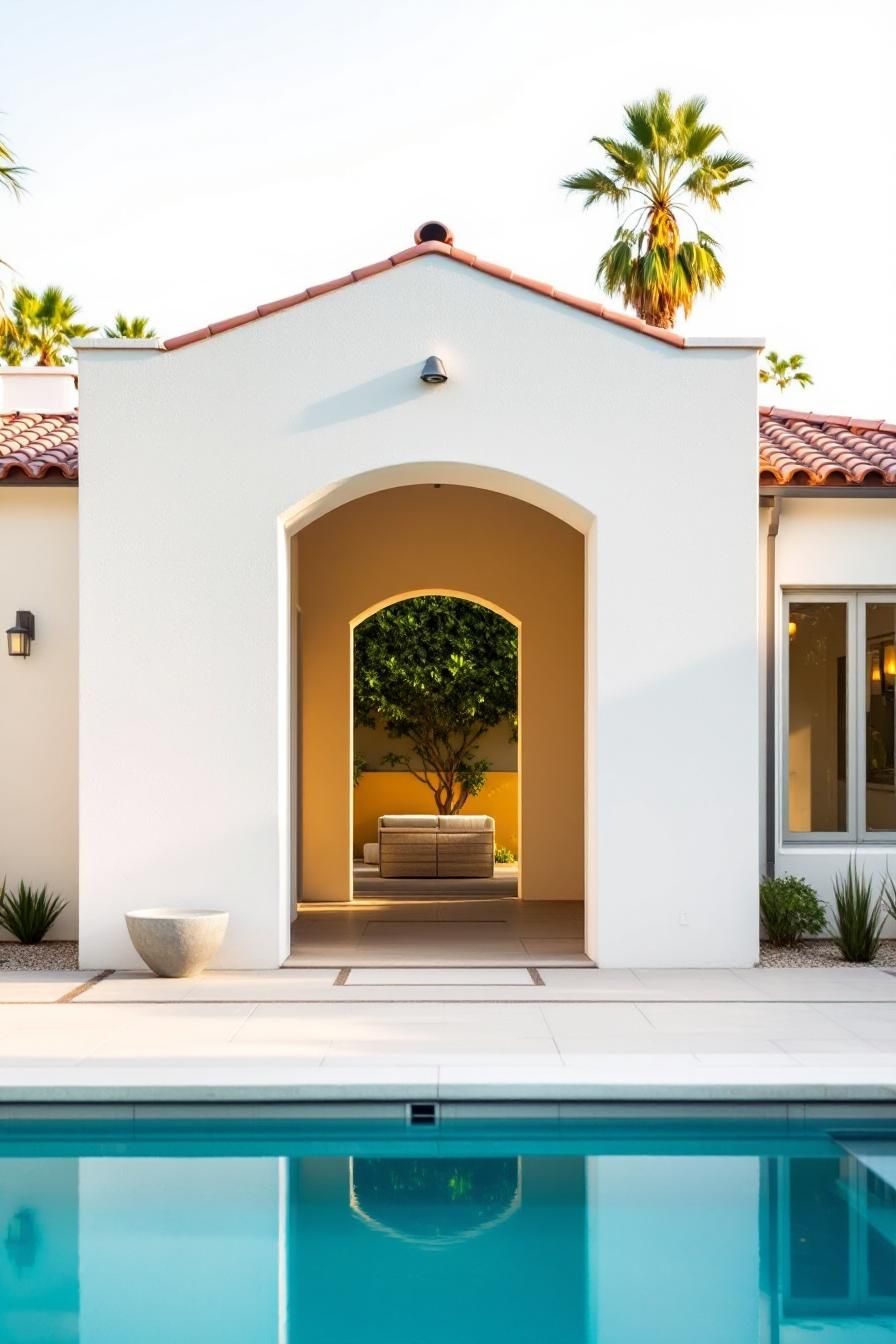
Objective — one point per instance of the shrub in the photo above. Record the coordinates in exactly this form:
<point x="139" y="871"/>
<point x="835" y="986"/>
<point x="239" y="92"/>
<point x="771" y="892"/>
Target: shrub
<point x="504" y="855"/>
<point x="28" y="914"/>
<point x="888" y="894"/>
<point x="790" y="910"/>
<point x="858" y="917"/>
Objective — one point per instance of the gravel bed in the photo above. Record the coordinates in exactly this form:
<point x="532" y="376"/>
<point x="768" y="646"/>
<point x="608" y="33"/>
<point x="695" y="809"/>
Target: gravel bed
<point x="822" y="952"/>
<point x="55" y="956"/>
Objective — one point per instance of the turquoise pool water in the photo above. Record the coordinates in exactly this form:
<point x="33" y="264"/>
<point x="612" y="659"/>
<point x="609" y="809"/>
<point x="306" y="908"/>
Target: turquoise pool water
<point x="299" y="1232"/>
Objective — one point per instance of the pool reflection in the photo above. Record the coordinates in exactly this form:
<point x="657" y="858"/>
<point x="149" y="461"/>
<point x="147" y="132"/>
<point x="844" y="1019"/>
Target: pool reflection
<point x="661" y="1246"/>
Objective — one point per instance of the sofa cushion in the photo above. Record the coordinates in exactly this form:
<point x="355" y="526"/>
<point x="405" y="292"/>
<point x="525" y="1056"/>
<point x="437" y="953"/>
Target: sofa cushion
<point x="469" y="823"/>
<point x="412" y="821"/>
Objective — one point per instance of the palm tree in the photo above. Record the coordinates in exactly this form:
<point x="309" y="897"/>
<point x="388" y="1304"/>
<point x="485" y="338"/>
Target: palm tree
<point x="40" y="327"/>
<point x="130" y="328"/>
<point x="783" y="371"/>
<point x="667" y="163"/>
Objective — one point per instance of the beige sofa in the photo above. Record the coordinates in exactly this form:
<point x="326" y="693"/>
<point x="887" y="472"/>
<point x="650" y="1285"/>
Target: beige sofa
<point x="427" y="846"/>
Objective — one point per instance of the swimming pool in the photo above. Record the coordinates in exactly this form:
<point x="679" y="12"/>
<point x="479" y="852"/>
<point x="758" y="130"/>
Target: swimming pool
<point x="634" y="1227"/>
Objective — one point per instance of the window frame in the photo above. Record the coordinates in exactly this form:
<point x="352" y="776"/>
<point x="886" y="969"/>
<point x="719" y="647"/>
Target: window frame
<point x="864" y="836"/>
<point x="856" y="601"/>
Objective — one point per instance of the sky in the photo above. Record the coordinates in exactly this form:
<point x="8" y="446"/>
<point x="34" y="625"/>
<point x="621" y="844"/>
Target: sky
<point x="191" y="160"/>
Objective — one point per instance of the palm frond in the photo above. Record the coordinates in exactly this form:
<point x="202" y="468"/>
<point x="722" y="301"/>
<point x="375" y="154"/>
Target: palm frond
<point x="597" y="186"/>
<point x="615" y="266"/>
<point x="628" y="159"/>
<point x="699" y="137"/>
<point x="729" y="162"/>
<point x="11" y="173"/>
<point x="639" y="124"/>
<point x="129" y="328"/>
<point x="690" y="111"/>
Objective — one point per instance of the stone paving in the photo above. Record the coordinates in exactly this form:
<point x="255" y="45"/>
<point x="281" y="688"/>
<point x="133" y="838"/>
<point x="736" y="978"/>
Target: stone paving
<point x="580" y="1034"/>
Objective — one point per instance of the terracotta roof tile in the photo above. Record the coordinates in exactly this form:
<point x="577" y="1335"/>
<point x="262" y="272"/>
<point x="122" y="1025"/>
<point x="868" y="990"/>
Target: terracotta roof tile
<point x="802" y="448"/>
<point x="432" y="247"/>
<point x="795" y="447"/>
<point x="34" y="446"/>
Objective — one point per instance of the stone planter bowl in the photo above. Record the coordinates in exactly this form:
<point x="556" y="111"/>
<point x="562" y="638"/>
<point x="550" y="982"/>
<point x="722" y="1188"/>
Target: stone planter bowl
<point x="176" y="943"/>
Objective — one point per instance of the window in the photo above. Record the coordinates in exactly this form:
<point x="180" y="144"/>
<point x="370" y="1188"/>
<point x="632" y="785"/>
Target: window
<point x="840" y="694"/>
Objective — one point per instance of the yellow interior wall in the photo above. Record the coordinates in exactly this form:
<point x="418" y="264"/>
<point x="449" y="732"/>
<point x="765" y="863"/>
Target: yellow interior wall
<point x="388" y="791"/>
<point x="477" y="544"/>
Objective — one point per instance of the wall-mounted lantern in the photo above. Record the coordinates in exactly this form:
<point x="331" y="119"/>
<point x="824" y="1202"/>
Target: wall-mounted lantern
<point x="20" y="635"/>
<point x="433" y="371"/>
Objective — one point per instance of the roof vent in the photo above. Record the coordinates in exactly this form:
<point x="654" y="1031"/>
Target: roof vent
<point x="433" y="231"/>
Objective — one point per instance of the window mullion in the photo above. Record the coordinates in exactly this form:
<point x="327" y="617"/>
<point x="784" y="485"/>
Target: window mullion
<point x="855" y="690"/>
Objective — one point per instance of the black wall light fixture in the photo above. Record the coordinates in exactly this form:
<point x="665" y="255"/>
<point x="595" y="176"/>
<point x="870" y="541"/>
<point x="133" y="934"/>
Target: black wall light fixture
<point x="20" y="635"/>
<point x="433" y="371"/>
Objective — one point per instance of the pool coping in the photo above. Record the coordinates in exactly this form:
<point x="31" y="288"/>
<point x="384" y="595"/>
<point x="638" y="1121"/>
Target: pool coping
<point x="113" y="1086"/>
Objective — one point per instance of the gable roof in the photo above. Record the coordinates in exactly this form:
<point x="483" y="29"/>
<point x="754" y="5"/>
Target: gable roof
<point x="795" y="448"/>
<point x="433" y="247"/>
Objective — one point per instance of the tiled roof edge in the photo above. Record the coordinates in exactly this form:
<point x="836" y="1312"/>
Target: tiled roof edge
<point x="673" y="338"/>
<point x="814" y="418"/>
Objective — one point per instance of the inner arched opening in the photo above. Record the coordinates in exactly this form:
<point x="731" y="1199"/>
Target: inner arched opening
<point x="435" y="758"/>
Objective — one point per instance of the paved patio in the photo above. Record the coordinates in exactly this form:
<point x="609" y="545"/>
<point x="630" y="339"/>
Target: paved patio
<point x="440" y="933"/>
<point x="579" y="1035"/>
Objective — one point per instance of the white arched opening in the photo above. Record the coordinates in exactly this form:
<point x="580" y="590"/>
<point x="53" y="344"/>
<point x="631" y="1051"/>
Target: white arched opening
<point x="340" y="493"/>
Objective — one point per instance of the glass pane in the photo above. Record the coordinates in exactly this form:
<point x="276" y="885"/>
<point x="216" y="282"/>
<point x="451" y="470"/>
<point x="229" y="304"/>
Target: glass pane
<point x="880" y="686"/>
<point x="817" y="744"/>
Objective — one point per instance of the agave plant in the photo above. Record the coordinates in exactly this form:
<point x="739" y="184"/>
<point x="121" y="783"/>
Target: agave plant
<point x="858" y="915"/>
<point x="29" y="914"/>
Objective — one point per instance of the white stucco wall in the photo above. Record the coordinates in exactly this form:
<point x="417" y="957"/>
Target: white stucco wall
<point x="830" y="543"/>
<point x="189" y="459"/>
<point x="39" y="694"/>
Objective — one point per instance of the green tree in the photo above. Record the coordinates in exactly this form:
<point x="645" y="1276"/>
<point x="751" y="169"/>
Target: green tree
<point x="438" y="671"/>
<point x="782" y="371"/>
<point x="40" y="327"/>
<point x="667" y="164"/>
<point x="130" y="328"/>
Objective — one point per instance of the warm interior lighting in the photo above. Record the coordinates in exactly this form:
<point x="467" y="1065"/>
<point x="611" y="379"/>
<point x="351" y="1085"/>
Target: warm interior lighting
<point x="875" y="672"/>
<point x="20" y="635"/>
<point x="791" y="628"/>
<point x="890" y="662"/>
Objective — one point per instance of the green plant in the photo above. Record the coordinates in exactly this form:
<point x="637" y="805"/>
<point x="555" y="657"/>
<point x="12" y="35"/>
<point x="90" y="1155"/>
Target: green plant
<point x="130" y="329"/>
<point x="438" y="672"/>
<point x="888" y="894"/>
<point x="29" y="914"/>
<point x="782" y="371"/>
<point x="858" y="915"/>
<point x="668" y="163"/>
<point x="790" y="910"/>
<point x="504" y="855"/>
<point x="41" y="327"/>
<point x="359" y="765"/>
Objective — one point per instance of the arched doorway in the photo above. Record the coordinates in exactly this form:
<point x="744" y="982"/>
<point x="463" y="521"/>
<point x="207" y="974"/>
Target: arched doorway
<point x="505" y="552"/>
<point x="436" y="731"/>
